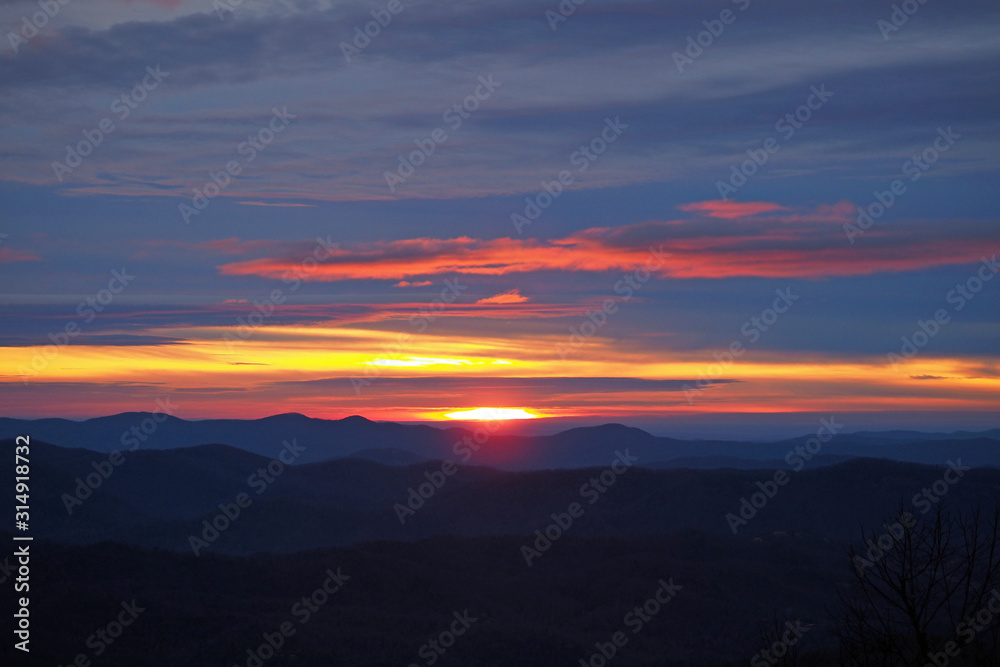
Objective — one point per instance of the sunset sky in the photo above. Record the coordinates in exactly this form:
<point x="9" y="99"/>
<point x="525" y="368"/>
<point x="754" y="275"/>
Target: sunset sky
<point x="572" y="240"/>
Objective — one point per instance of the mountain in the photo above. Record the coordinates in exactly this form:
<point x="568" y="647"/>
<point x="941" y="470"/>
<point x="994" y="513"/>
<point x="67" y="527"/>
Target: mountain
<point x="162" y="498"/>
<point x="716" y="462"/>
<point x="322" y="439"/>
<point x="399" y="444"/>
<point x="212" y="610"/>
<point x="218" y="545"/>
<point x="388" y="456"/>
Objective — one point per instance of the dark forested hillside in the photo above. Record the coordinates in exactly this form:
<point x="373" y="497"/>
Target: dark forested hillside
<point x="396" y="597"/>
<point x="162" y="499"/>
<point x="208" y="551"/>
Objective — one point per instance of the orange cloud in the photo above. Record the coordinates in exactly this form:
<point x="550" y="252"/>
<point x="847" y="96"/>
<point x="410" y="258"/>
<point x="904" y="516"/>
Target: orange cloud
<point x="769" y="241"/>
<point x="407" y="283"/>
<point x="510" y="296"/>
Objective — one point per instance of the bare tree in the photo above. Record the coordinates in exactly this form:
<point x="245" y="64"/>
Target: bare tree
<point x="924" y="591"/>
<point x="779" y="641"/>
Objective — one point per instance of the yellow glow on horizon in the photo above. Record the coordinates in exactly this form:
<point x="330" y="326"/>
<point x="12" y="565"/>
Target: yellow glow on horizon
<point x="233" y="376"/>
<point x="491" y="414"/>
<point x="413" y="362"/>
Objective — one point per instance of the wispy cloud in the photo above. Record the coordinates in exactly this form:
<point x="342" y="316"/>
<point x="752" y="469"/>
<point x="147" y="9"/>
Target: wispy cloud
<point x="786" y="242"/>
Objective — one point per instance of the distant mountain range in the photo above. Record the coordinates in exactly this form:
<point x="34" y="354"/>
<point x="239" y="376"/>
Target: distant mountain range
<point x="159" y="498"/>
<point x="399" y="444"/>
<point x="423" y="528"/>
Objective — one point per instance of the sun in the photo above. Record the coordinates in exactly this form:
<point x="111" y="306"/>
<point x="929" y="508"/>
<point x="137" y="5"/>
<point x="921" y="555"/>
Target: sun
<point x="491" y="414"/>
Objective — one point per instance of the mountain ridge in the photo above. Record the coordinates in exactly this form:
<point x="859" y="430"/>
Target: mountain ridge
<point x="161" y="498"/>
<point x="353" y="436"/>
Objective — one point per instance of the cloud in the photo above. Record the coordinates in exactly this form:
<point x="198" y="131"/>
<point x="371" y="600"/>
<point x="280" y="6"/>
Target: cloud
<point x="540" y="386"/>
<point x="407" y="283"/>
<point x="88" y="339"/>
<point x="510" y="296"/>
<point x="731" y="209"/>
<point x="234" y="246"/>
<point x="354" y="118"/>
<point x="11" y="255"/>
<point x="802" y="243"/>
<point x="275" y="204"/>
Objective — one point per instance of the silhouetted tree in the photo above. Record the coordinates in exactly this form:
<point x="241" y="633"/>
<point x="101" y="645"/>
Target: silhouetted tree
<point x="779" y="641"/>
<point x="924" y="591"/>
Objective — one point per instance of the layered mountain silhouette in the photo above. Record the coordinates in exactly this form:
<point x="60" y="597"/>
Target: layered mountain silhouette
<point x="400" y="444"/>
<point x="161" y="498"/>
<point x="218" y="528"/>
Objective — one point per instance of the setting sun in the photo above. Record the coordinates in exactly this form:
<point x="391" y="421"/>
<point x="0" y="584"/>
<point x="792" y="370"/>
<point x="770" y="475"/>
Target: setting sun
<point x="491" y="414"/>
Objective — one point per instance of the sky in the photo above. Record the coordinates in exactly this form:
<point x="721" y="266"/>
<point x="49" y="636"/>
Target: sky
<point x="693" y="217"/>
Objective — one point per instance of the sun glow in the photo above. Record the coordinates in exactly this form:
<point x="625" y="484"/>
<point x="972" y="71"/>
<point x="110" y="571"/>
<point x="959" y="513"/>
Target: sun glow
<point x="416" y="362"/>
<point x="491" y="414"/>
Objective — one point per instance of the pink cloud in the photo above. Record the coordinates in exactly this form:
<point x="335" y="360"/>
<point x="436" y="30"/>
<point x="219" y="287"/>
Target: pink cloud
<point x="731" y="209"/>
<point x="769" y="241"/>
<point x="278" y="204"/>
<point x="11" y="255"/>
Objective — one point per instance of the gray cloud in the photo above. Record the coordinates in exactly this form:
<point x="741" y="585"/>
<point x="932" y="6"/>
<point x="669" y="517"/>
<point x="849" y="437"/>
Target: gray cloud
<point x="610" y="58"/>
